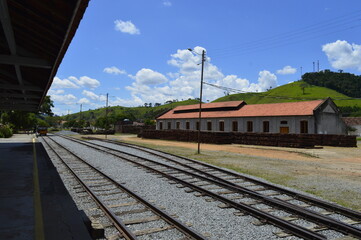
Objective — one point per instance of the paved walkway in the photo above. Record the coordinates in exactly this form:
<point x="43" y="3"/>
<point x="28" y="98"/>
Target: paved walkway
<point x="34" y="203"/>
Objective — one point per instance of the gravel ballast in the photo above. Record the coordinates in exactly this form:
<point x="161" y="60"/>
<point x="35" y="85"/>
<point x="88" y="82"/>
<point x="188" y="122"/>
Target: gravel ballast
<point x="205" y="217"/>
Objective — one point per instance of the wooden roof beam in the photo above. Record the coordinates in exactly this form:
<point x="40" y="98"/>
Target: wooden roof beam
<point x="20" y="88"/>
<point x="24" y="61"/>
<point x="18" y="95"/>
<point x="18" y="101"/>
<point x="20" y="107"/>
<point x="6" y="23"/>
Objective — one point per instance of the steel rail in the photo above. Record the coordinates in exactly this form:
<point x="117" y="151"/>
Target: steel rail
<point x="180" y="226"/>
<point x="119" y="225"/>
<point x="308" y="214"/>
<point x="288" y="226"/>
<point x="336" y="208"/>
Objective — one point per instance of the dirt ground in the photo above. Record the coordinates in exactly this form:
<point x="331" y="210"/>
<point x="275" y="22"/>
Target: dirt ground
<point x="333" y="173"/>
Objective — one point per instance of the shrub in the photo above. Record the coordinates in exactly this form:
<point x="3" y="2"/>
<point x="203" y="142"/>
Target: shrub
<point x="5" y="131"/>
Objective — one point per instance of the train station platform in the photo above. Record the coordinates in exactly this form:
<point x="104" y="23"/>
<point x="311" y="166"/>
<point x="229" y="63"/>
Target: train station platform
<point x="34" y="203"/>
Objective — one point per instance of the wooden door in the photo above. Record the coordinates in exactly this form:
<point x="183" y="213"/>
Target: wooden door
<point x="284" y="130"/>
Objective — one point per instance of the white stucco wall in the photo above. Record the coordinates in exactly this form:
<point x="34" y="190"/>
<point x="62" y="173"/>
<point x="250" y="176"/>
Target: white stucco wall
<point x="293" y="123"/>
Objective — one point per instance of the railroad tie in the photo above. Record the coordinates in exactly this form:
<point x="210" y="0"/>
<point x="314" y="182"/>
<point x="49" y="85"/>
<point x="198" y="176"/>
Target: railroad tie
<point x="152" y="230"/>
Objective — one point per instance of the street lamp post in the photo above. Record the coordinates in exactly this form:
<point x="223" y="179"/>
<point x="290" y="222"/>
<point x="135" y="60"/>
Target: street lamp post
<point x="200" y="100"/>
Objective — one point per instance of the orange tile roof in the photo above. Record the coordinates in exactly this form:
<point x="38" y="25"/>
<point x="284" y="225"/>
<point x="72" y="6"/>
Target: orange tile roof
<point x="209" y="105"/>
<point x="253" y="110"/>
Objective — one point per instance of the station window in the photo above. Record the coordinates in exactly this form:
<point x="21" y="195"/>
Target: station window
<point x="221" y="126"/>
<point x="249" y="126"/>
<point x="234" y="126"/>
<point x="284" y="122"/>
<point x="197" y="125"/>
<point x="187" y="125"/>
<point x="177" y="125"/>
<point x="160" y="125"/>
<point x="304" y="126"/>
<point x="266" y="126"/>
<point x="209" y="126"/>
<point x="169" y="125"/>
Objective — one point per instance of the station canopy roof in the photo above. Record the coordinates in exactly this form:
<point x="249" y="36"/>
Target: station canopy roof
<point x="34" y="36"/>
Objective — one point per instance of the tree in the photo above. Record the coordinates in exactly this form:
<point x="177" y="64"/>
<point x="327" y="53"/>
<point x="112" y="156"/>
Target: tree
<point x="19" y="120"/>
<point x="70" y="123"/>
<point x="46" y="106"/>
<point x="53" y="121"/>
<point x="304" y="85"/>
<point x="346" y="83"/>
<point x="102" y="122"/>
<point x="149" y="122"/>
<point x="42" y="123"/>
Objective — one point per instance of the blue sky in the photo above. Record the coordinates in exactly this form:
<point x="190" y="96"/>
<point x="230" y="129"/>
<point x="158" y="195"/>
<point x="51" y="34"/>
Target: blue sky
<point x="136" y="50"/>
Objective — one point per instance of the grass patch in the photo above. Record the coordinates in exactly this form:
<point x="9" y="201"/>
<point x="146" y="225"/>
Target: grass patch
<point x="309" y="155"/>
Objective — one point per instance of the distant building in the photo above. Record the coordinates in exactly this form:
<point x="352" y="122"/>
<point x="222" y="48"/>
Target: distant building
<point x="353" y="124"/>
<point x="319" y="116"/>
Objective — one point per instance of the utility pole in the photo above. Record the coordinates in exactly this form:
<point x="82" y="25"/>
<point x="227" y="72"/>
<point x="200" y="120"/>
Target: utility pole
<point x="301" y="72"/>
<point x="200" y="103"/>
<point x="106" y="117"/>
<point x="313" y="66"/>
<point x="81" y="105"/>
<point x="318" y="65"/>
<point x="200" y="98"/>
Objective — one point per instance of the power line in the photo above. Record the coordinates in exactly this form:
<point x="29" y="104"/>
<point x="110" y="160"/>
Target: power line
<point x="317" y="27"/>
<point x="276" y="44"/>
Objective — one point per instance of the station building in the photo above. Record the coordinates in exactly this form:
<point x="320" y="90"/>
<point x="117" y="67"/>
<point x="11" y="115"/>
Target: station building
<point x="313" y="117"/>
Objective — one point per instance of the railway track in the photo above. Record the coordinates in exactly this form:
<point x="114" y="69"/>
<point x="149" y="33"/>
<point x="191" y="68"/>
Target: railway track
<point x="241" y="180"/>
<point x="246" y="200"/>
<point x="124" y="206"/>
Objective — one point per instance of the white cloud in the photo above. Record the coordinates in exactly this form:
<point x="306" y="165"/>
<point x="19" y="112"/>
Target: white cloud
<point x="266" y="80"/>
<point x="167" y="3"/>
<point x="114" y="70"/>
<point x="126" y="27"/>
<point x="151" y="86"/>
<point x="149" y="77"/>
<point x="68" y="99"/>
<point x="287" y="70"/>
<point x="60" y="112"/>
<point x="63" y="83"/>
<point x="74" y="82"/>
<point x="51" y="91"/>
<point x="90" y="95"/>
<point x="232" y="81"/>
<point x="93" y="96"/>
<point x="86" y="81"/>
<point x="343" y="55"/>
<point x="83" y="101"/>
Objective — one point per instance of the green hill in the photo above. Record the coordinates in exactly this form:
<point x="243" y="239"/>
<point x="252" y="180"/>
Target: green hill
<point x="133" y="113"/>
<point x="293" y="92"/>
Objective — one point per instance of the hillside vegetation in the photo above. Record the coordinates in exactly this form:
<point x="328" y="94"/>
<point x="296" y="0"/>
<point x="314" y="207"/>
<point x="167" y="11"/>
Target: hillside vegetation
<point x="346" y="83"/>
<point x="118" y="113"/>
<point x="292" y="92"/>
<point x="299" y="91"/>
